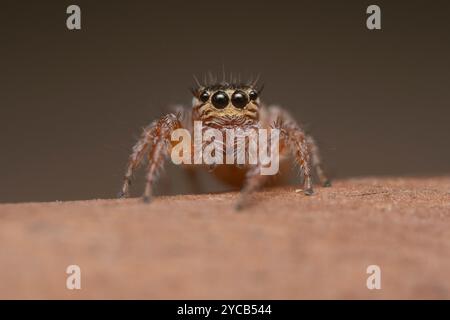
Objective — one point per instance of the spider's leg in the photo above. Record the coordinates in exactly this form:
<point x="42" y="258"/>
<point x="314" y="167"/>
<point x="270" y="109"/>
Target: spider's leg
<point x="162" y="131"/>
<point x="156" y="138"/>
<point x="253" y="181"/>
<point x="293" y="136"/>
<point x="302" y="157"/>
<point x="135" y="159"/>
<point x="317" y="162"/>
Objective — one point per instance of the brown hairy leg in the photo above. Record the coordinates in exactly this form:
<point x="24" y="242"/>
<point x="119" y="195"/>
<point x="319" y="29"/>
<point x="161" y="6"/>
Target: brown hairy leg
<point x="297" y="143"/>
<point x="253" y="181"/>
<point x="155" y="141"/>
<point x="302" y="146"/>
<point x="317" y="162"/>
<point x="294" y="138"/>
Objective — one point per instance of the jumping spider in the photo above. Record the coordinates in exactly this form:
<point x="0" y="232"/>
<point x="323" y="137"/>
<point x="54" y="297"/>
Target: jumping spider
<point x="222" y="105"/>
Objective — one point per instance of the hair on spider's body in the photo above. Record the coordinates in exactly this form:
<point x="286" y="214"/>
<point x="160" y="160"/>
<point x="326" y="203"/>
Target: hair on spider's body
<point x="223" y="106"/>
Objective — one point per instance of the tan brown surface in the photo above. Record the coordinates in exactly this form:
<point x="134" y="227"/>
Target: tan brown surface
<point x="285" y="246"/>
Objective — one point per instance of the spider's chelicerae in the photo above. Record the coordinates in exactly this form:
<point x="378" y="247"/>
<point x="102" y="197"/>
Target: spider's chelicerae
<point x="224" y="105"/>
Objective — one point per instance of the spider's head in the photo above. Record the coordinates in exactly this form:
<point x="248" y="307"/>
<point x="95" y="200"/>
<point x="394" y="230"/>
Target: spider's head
<point x="227" y="104"/>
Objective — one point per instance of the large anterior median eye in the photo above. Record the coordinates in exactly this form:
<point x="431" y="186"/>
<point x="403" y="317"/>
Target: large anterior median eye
<point x="239" y="99"/>
<point x="220" y="99"/>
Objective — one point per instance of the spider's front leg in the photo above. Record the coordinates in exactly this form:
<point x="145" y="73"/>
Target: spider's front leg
<point x="294" y="138"/>
<point x="155" y="141"/>
<point x="253" y="181"/>
<point x="317" y="161"/>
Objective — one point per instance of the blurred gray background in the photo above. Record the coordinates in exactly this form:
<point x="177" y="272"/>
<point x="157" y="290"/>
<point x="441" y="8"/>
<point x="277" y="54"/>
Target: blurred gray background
<point x="73" y="102"/>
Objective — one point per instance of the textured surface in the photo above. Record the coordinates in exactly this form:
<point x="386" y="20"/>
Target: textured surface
<point x="285" y="246"/>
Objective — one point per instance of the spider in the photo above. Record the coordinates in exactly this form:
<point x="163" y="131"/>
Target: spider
<point x="224" y="105"/>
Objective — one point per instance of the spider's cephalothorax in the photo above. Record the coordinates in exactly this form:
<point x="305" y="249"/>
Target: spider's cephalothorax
<point x="227" y="106"/>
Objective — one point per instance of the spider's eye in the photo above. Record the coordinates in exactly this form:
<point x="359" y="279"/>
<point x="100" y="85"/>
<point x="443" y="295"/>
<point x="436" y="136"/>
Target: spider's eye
<point x="204" y="96"/>
<point x="253" y="95"/>
<point x="239" y="99"/>
<point x="220" y="99"/>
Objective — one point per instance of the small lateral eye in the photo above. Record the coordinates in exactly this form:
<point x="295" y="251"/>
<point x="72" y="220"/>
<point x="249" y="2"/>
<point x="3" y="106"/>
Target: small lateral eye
<point x="204" y="96"/>
<point x="253" y="95"/>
